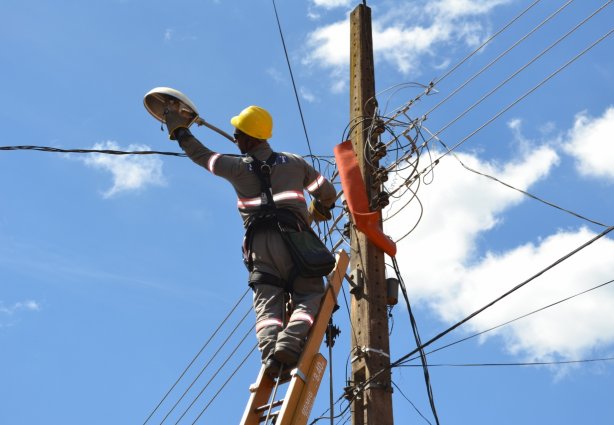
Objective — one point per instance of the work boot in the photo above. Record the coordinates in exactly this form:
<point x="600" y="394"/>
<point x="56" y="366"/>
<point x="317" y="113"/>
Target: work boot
<point x="286" y="356"/>
<point x="273" y="367"/>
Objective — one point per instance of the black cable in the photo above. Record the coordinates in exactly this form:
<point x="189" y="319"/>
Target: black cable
<point x="491" y="63"/>
<point x="101" y="151"/>
<point x="226" y="382"/>
<point x="197" y="355"/>
<point x="551" y="363"/>
<point x="518" y="318"/>
<point x="530" y="195"/>
<point x="522" y="68"/>
<point x="480" y="47"/>
<point x="414" y="327"/>
<point x="450" y="329"/>
<point x="248" y="333"/>
<point x="410" y="402"/>
<point x="205" y="367"/>
<point x="522" y="97"/>
<point x="430" y="87"/>
<point x="514" y="289"/>
<point x="298" y="102"/>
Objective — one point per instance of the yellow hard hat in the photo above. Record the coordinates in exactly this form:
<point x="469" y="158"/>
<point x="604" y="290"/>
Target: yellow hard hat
<point x="254" y="121"/>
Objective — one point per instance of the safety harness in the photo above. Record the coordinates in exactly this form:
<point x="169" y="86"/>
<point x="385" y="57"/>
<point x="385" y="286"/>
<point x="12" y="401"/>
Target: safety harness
<point x="269" y="217"/>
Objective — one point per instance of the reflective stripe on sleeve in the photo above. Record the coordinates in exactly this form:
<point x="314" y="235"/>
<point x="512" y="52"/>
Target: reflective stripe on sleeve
<point x="316" y="184"/>
<point x="211" y="162"/>
<point x="301" y="316"/>
<point x="268" y="322"/>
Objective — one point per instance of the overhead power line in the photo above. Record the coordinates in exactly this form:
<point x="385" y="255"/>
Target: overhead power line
<point x="491" y="63"/>
<point x="551" y="363"/>
<point x="486" y="42"/>
<point x="517" y="318"/>
<point x="429" y="88"/>
<point x="414" y="326"/>
<point x="524" y="192"/>
<point x="514" y="289"/>
<point x="298" y="101"/>
<point x="518" y="100"/>
<point x="405" y="358"/>
<point x="522" y="68"/>
<point x="101" y="151"/>
<point x="232" y="310"/>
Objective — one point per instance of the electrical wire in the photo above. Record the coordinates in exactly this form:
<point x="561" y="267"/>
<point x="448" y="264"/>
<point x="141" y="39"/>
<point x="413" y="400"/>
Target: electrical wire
<point x="405" y="358"/>
<point x="411" y="403"/>
<point x="496" y="300"/>
<point x="298" y="102"/>
<point x="414" y="327"/>
<point x="524" y="192"/>
<point x="522" y="68"/>
<point x="487" y="41"/>
<point x="550" y="363"/>
<point x="101" y="151"/>
<point x="248" y="333"/>
<point x="501" y="55"/>
<point x="197" y="355"/>
<point x="207" y="365"/>
<point x="518" y="318"/>
<point x="466" y="58"/>
<point x="247" y="356"/>
<point x="519" y="99"/>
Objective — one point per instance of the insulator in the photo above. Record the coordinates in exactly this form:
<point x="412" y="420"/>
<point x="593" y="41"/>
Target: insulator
<point x="379" y="151"/>
<point x="383" y="200"/>
<point x="380" y="176"/>
<point x="346" y="229"/>
<point x="378" y="127"/>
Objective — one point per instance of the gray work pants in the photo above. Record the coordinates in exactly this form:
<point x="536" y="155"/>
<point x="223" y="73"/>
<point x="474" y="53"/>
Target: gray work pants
<point x="270" y="255"/>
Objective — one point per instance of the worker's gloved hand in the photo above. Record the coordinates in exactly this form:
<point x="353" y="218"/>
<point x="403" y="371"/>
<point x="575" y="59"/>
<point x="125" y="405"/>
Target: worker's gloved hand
<point x="174" y="121"/>
<point x="319" y="212"/>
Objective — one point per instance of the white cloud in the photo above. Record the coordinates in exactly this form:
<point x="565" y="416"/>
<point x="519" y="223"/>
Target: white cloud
<point x="591" y="143"/>
<point x="130" y="172"/>
<point x="28" y="305"/>
<point x="444" y="270"/>
<point x="168" y="34"/>
<point x="307" y="95"/>
<point x="330" y="4"/>
<point x="570" y="330"/>
<point x="403" y="42"/>
<point x="277" y="76"/>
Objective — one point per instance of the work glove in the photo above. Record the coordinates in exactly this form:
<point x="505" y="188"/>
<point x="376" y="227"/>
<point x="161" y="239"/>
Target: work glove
<point x="319" y="212"/>
<point x="175" y="120"/>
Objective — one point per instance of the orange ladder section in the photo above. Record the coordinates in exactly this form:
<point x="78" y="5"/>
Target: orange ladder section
<point x="305" y="379"/>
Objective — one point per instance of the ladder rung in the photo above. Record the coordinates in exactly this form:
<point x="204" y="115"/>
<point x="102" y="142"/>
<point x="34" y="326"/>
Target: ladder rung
<point x="269" y="406"/>
<point x="273" y="415"/>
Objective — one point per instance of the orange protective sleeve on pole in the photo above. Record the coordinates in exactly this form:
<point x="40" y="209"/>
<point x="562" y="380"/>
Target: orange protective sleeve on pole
<point x="356" y="197"/>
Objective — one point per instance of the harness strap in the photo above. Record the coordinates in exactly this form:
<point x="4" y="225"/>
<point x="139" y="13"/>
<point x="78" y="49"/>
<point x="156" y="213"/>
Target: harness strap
<point x="269" y="215"/>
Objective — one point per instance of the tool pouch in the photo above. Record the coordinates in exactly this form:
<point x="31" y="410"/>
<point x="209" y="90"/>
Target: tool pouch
<point x="311" y="257"/>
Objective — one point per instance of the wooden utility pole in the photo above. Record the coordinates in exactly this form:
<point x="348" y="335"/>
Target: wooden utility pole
<point x="372" y="404"/>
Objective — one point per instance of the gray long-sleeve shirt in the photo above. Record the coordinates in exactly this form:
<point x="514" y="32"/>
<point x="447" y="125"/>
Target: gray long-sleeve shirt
<point x="291" y="175"/>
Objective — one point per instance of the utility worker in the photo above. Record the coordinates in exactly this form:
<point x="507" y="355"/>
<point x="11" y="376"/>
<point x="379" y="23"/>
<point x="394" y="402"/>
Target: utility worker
<point x="271" y="270"/>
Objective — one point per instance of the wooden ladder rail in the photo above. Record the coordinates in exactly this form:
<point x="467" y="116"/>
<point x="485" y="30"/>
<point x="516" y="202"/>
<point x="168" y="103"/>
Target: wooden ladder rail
<point x="305" y="378"/>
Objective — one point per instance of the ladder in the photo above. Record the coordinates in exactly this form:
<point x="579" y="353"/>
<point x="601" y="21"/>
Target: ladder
<point x="305" y="379"/>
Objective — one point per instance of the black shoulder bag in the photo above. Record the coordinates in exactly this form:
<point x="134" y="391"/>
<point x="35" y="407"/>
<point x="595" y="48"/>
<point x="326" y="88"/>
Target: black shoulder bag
<point x="311" y="257"/>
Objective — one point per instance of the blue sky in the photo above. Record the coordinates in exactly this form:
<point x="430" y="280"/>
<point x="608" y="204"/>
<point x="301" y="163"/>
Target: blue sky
<point x="114" y="270"/>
